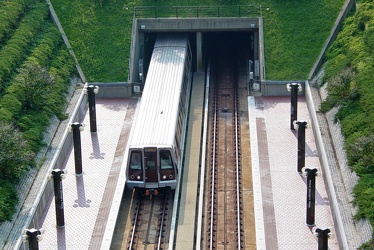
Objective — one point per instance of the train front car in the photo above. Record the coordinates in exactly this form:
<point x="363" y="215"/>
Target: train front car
<point x="152" y="168"/>
<point x="157" y="140"/>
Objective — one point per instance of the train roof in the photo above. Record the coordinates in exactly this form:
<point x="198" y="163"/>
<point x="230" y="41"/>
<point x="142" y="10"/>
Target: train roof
<point x="158" y="112"/>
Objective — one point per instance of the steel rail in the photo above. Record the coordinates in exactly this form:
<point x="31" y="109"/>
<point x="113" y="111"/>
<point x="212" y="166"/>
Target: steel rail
<point x="135" y="220"/>
<point x="237" y="162"/>
<point x="215" y="109"/>
<point x="162" y="222"/>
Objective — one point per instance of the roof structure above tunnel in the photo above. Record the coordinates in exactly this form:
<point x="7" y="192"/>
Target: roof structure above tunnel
<point x="197" y="18"/>
<point x="197" y="25"/>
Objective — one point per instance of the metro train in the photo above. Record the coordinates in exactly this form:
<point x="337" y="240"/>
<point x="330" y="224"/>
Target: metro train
<point x="156" y="144"/>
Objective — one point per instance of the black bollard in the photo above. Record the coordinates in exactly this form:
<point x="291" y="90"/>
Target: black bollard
<point x="34" y="236"/>
<point x="58" y="175"/>
<point x="310" y="195"/>
<point x="91" y="91"/>
<point x="300" y="126"/>
<point x="294" y="88"/>
<point x="77" y="128"/>
<point x="323" y="235"/>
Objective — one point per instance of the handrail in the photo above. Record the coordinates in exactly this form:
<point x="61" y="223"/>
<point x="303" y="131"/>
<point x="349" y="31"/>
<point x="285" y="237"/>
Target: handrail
<point x="197" y="11"/>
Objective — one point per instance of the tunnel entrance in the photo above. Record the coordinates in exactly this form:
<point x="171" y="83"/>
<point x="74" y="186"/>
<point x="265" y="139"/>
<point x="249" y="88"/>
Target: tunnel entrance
<point x="244" y="41"/>
<point x="206" y="36"/>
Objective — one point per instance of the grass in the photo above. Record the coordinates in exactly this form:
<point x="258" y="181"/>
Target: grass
<point x="100" y="33"/>
<point x="295" y="32"/>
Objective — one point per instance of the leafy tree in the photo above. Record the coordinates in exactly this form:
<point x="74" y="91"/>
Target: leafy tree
<point x="34" y="86"/>
<point x="15" y="156"/>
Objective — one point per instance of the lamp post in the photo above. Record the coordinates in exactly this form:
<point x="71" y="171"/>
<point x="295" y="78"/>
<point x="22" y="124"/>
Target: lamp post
<point x="300" y="126"/>
<point x="58" y="175"/>
<point x="33" y="236"/>
<point x="311" y="174"/>
<point x="91" y="91"/>
<point x="323" y="234"/>
<point x="77" y="127"/>
<point x="294" y="88"/>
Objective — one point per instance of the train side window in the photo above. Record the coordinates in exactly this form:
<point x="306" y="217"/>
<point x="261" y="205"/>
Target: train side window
<point x="135" y="162"/>
<point x="166" y="161"/>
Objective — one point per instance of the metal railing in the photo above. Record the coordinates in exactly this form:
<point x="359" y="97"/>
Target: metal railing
<point x="197" y="11"/>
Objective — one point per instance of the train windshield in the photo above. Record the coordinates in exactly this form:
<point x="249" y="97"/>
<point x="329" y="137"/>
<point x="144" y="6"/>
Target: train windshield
<point x="166" y="162"/>
<point x="135" y="160"/>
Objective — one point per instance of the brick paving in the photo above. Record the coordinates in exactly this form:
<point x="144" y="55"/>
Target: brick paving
<point x="281" y="211"/>
<point x="87" y="198"/>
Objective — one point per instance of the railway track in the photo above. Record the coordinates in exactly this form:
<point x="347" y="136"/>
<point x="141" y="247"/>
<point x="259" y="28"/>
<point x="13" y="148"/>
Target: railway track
<point x="222" y="209"/>
<point x="223" y="204"/>
<point x="150" y="222"/>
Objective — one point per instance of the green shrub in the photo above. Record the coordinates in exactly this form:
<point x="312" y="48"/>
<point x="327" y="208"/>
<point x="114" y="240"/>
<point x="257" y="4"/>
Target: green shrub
<point x="368" y="39"/>
<point x="9" y="13"/>
<point x="14" y="51"/>
<point x="353" y="123"/>
<point x="5" y="115"/>
<point x="33" y="125"/>
<point x="34" y="84"/>
<point x="34" y="137"/>
<point x="34" y="119"/>
<point x="364" y="197"/>
<point x="8" y="200"/>
<point x="341" y="87"/>
<point x="361" y="155"/>
<point x="367" y="246"/>
<point x="15" y="156"/>
<point x="46" y="46"/>
<point x="11" y="103"/>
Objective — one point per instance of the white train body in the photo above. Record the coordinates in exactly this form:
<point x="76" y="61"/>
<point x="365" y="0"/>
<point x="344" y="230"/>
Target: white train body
<point x="157" y="139"/>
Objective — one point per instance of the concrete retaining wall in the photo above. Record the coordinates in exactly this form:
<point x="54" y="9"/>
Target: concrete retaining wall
<point x="334" y="204"/>
<point x="279" y="88"/>
<point x="113" y="89"/>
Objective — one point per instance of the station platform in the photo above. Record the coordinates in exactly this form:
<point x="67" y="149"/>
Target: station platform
<point x="88" y="198"/>
<point x="279" y="190"/>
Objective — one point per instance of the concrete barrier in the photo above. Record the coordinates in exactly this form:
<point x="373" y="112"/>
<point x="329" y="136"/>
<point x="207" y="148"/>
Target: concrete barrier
<point x="278" y="88"/>
<point x="334" y="204"/>
<point x="113" y="89"/>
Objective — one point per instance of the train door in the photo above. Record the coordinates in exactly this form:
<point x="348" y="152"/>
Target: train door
<point x="150" y="157"/>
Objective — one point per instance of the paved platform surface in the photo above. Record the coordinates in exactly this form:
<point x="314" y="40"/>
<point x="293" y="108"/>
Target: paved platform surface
<point x="279" y="190"/>
<point x="88" y="198"/>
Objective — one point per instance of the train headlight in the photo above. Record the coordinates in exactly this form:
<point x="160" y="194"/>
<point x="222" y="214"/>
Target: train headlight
<point x="132" y="177"/>
<point x="138" y="177"/>
<point x="164" y="177"/>
<point x="171" y="176"/>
